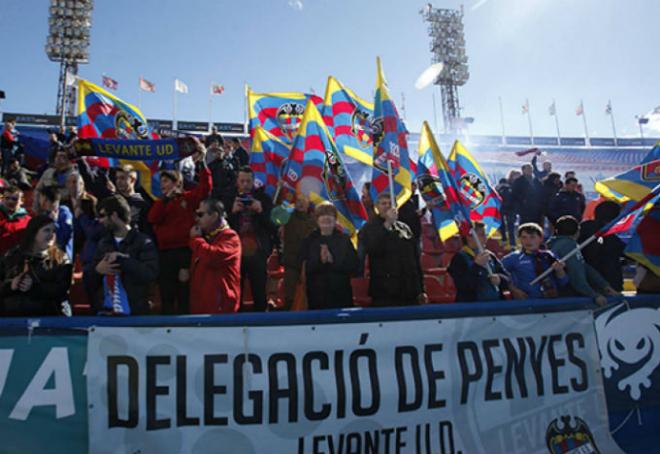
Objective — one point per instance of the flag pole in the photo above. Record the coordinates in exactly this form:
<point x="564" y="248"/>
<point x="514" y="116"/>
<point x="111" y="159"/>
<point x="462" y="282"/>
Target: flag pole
<point x="609" y="104"/>
<point x="554" y="105"/>
<point x="140" y="94"/>
<point x="245" y="106"/>
<point x="586" y="130"/>
<point x="391" y="183"/>
<point x="210" y="108"/>
<point x="601" y="231"/>
<point x="529" y="120"/>
<point x="435" y="113"/>
<point x="174" y="125"/>
<point x="499" y="98"/>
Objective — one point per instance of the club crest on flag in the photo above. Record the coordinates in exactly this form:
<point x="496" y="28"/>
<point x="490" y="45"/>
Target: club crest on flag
<point x="430" y="187"/>
<point x="564" y="437"/>
<point x="334" y="176"/>
<point x="651" y="171"/>
<point x="289" y="116"/>
<point x="128" y="126"/>
<point x="472" y="189"/>
<point x="362" y="128"/>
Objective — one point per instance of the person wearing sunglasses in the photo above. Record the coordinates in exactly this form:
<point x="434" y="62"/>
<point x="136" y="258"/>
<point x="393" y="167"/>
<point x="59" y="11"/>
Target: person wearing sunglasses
<point x="13" y="218"/>
<point x="215" y="270"/>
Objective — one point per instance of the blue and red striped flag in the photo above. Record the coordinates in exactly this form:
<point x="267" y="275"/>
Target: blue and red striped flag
<point x="278" y="113"/>
<point x="390" y="145"/>
<point x="474" y="189"/>
<point x="267" y="155"/>
<point x="436" y="186"/>
<point x="103" y="115"/>
<point x="316" y="169"/>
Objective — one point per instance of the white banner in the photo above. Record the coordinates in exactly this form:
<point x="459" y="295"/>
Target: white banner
<point x="512" y="384"/>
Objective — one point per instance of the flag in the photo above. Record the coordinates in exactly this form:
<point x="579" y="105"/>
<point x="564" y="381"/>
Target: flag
<point x="608" y="108"/>
<point x="579" y="110"/>
<point x="103" y="115"/>
<point x="631" y="214"/>
<point x="217" y="89"/>
<point x="525" y="107"/>
<point x="474" y="190"/>
<point x="145" y="85"/>
<point x="110" y="83"/>
<point x="278" y="113"/>
<point x="552" y="110"/>
<point x="644" y="246"/>
<point x="435" y="185"/>
<point x="528" y="151"/>
<point x="316" y="169"/>
<point x="350" y="119"/>
<point x="390" y="145"/>
<point x="180" y="86"/>
<point x="267" y="155"/>
<point x="635" y="183"/>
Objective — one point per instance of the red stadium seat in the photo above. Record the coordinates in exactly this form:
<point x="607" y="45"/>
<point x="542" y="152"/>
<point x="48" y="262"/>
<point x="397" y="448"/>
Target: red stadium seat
<point x="432" y="244"/>
<point x="445" y="259"/>
<point x="440" y="288"/>
<point x="275" y="270"/>
<point x="361" y="291"/>
<point x="430" y="264"/>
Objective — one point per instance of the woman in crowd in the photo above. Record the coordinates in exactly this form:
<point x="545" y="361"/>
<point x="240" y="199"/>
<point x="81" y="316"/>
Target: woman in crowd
<point x="36" y="274"/>
<point x="329" y="261"/>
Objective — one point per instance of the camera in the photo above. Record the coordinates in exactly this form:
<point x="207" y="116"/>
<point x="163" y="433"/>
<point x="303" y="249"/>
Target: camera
<point x="246" y="200"/>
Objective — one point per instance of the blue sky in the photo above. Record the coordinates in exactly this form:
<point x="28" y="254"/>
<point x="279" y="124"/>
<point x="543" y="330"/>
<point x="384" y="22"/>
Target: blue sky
<point x="569" y="50"/>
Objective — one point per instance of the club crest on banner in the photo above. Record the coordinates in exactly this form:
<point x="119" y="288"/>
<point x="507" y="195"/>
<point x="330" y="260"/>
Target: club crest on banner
<point x="289" y="116"/>
<point x="128" y="126"/>
<point x="472" y="189"/>
<point x="562" y="437"/>
<point x="651" y="171"/>
<point x="376" y="130"/>
<point x="362" y="127"/>
<point x="334" y="176"/>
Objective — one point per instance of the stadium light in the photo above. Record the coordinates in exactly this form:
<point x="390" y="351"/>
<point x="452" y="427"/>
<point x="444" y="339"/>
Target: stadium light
<point x="448" y="47"/>
<point x="69" y="28"/>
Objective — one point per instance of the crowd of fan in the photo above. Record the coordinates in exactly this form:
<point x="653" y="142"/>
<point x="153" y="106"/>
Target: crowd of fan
<point x="209" y="244"/>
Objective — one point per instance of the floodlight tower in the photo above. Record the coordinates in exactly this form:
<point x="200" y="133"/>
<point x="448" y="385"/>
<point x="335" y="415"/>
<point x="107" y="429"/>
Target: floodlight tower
<point x="69" y="27"/>
<point x="448" y="47"/>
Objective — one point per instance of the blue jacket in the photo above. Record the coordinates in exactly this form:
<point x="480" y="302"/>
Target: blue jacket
<point x="566" y="203"/>
<point x="64" y="230"/>
<point x="520" y="266"/>
<point x="471" y="280"/>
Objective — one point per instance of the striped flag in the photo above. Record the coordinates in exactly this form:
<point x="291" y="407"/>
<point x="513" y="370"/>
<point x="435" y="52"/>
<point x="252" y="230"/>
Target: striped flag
<point x="579" y="110"/>
<point x="145" y="85"/>
<point x="525" y="107"/>
<point x="109" y="82"/>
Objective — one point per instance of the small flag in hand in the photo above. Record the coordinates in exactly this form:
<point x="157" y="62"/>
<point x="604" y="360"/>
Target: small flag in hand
<point x="180" y="86"/>
<point x="217" y="89"/>
<point x="110" y="83"/>
<point x="147" y="86"/>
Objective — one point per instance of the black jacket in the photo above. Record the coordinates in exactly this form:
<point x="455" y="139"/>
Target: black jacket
<point x="49" y="291"/>
<point x="395" y="271"/>
<point x="566" y="203"/>
<point x="224" y="172"/>
<point x="409" y="216"/>
<point x="138" y="271"/>
<point x="265" y="230"/>
<point x="605" y="256"/>
<point x="528" y="198"/>
<point x="329" y="284"/>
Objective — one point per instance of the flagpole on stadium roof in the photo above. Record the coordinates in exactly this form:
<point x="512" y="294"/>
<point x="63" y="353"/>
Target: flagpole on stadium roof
<point x="140" y="94"/>
<point x="610" y="111"/>
<point x="210" y="106"/>
<point x="529" y="120"/>
<point x="586" y="129"/>
<point x="245" y="107"/>
<point x="174" y="126"/>
<point x="499" y="98"/>
<point x="554" y="109"/>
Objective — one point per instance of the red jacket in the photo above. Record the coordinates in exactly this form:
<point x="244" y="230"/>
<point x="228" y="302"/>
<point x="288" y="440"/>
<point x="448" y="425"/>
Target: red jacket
<point x="12" y="229"/>
<point x="215" y="274"/>
<point x="173" y="219"/>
